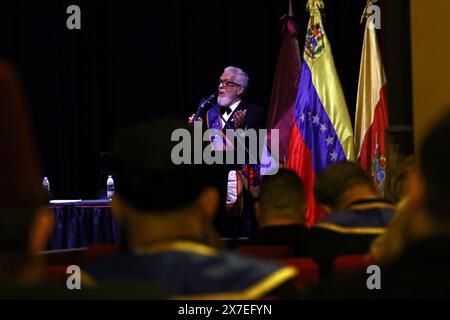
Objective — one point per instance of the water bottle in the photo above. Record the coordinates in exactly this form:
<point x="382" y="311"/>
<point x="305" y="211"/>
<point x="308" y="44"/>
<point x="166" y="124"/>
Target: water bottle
<point x="109" y="187"/>
<point x="46" y="185"/>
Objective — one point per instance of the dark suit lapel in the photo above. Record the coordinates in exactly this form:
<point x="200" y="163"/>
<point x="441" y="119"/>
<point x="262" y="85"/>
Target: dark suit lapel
<point x="230" y="123"/>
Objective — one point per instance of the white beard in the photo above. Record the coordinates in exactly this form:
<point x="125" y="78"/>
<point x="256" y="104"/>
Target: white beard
<point x="224" y="101"/>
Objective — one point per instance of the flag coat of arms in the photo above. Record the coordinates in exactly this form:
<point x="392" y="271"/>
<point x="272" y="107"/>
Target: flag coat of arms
<point x="321" y="132"/>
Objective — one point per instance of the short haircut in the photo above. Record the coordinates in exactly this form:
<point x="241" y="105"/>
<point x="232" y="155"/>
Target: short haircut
<point x="283" y="191"/>
<point x="240" y="77"/>
<point x="145" y="176"/>
<point x="337" y="178"/>
<point x="434" y="162"/>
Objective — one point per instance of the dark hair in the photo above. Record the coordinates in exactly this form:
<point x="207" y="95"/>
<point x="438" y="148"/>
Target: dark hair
<point x="282" y="191"/>
<point x="337" y="178"/>
<point x="145" y="176"/>
<point x="434" y="164"/>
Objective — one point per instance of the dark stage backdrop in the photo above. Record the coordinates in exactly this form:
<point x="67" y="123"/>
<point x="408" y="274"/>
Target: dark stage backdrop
<point x="136" y="60"/>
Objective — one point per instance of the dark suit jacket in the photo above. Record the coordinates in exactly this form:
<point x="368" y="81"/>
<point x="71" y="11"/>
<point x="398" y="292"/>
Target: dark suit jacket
<point x="255" y="118"/>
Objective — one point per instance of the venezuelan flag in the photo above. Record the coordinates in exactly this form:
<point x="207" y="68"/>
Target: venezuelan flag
<point x="322" y="132"/>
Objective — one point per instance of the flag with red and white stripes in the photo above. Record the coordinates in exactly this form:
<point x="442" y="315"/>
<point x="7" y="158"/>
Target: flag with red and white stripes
<point x="371" y="117"/>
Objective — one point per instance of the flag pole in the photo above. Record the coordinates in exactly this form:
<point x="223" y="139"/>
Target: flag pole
<point x="364" y="14"/>
<point x="291" y="11"/>
<point x="314" y="4"/>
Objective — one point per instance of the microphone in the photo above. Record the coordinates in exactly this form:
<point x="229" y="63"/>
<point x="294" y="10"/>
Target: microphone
<point x="204" y="103"/>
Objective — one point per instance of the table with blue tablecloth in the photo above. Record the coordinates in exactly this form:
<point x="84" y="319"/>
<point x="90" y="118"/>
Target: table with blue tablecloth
<point x="81" y="223"/>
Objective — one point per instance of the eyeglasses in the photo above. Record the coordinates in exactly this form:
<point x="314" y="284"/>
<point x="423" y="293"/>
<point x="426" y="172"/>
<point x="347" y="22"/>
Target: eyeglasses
<point x="227" y="83"/>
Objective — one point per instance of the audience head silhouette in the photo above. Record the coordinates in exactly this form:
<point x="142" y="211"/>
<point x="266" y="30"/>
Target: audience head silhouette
<point x="157" y="199"/>
<point x="25" y="222"/>
<point x="282" y="199"/>
<point x="341" y="184"/>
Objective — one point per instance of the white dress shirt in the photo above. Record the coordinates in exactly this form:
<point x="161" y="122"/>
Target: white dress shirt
<point x="232" y="190"/>
<point x="226" y="116"/>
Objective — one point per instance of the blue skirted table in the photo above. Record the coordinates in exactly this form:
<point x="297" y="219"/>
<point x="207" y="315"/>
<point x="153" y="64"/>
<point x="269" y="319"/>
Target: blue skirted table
<point x="81" y="223"/>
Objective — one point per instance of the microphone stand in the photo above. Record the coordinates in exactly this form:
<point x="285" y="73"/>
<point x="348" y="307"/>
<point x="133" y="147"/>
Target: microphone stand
<point x="203" y="104"/>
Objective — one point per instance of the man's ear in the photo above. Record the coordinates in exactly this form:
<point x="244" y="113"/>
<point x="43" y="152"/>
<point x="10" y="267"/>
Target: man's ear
<point x="41" y="230"/>
<point x="240" y="91"/>
<point x="208" y="201"/>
